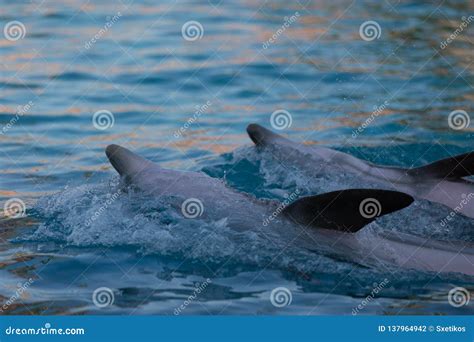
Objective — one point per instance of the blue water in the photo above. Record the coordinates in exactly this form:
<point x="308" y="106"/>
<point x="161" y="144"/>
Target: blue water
<point x="153" y="81"/>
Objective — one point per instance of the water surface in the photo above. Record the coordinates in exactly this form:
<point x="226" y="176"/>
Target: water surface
<point x="130" y="58"/>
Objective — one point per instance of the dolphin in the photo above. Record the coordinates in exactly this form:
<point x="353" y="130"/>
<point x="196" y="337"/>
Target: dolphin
<point x="328" y="222"/>
<point x="338" y="210"/>
<point x="441" y="182"/>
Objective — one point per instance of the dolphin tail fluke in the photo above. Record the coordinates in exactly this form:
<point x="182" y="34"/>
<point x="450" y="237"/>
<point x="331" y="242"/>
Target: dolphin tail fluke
<point x="452" y="168"/>
<point x="346" y="210"/>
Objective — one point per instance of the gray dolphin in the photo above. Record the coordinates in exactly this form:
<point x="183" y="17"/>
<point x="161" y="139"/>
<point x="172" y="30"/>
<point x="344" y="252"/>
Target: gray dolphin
<point x="338" y="210"/>
<point x="332" y="220"/>
<point x="441" y="182"/>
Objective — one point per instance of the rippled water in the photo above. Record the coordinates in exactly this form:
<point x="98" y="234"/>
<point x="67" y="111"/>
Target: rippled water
<point x="153" y="81"/>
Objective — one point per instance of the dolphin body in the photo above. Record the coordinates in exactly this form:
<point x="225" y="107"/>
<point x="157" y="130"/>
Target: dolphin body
<point x="329" y="222"/>
<point x="441" y="182"/>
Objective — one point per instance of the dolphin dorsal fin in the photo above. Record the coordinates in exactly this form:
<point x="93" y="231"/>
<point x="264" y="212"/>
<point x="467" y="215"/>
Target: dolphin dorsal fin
<point x="455" y="167"/>
<point x="262" y="136"/>
<point x="126" y="162"/>
<point x="346" y="210"/>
